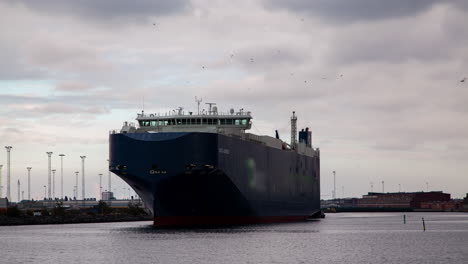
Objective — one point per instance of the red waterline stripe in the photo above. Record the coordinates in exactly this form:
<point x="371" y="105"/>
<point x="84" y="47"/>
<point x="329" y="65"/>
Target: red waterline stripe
<point x="223" y="220"/>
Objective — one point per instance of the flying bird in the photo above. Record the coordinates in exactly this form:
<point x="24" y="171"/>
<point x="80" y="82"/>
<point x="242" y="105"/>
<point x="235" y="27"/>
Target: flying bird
<point x="463" y="80"/>
<point x="203" y="67"/>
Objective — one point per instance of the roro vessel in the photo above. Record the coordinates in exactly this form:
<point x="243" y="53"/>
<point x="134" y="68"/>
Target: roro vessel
<point x="204" y="168"/>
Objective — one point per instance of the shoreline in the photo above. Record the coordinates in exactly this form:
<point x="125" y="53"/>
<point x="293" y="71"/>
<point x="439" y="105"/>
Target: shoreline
<point x="57" y="220"/>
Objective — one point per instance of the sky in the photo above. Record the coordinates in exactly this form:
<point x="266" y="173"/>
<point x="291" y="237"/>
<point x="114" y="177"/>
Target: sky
<point x="378" y="83"/>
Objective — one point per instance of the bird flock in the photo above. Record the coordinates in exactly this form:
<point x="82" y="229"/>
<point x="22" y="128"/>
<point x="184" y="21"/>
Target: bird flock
<point x="251" y="60"/>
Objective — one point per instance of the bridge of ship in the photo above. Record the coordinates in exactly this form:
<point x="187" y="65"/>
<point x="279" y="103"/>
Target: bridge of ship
<point x="240" y="120"/>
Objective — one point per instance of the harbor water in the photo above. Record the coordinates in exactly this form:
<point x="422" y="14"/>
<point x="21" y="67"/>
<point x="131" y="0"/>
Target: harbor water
<point x="339" y="238"/>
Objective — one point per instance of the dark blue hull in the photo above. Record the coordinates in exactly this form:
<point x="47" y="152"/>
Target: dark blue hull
<point x="206" y="178"/>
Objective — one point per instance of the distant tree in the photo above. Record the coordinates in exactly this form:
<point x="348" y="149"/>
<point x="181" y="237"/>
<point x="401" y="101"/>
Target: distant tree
<point x="13" y="211"/>
<point x="103" y="208"/>
<point x="58" y="210"/>
<point x="135" y="209"/>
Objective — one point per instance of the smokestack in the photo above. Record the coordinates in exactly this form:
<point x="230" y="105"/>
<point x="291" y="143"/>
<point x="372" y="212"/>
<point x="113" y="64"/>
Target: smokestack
<point x="293" y="130"/>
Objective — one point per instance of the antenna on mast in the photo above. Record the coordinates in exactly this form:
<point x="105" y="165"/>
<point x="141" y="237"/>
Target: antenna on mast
<point x="198" y="102"/>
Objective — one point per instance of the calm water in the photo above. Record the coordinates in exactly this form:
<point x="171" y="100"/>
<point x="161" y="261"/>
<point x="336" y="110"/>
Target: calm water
<point x="339" y="238"/>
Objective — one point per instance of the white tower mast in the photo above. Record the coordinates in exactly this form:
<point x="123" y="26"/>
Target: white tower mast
<point x="8" y="148"/>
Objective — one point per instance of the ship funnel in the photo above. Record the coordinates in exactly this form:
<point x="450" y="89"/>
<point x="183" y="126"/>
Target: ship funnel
<point x="293" y="130"/>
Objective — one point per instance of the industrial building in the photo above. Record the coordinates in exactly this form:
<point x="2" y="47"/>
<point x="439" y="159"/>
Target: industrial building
<point x="401" y="199"/>
<point x="405" y="201"/>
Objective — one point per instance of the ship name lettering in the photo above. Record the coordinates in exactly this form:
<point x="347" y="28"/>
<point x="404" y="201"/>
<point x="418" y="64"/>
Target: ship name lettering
<point x="157" y="172"/>
<point x="223" y="151"/>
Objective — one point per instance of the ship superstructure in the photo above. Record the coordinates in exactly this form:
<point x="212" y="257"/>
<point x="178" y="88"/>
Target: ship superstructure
<point x="204" y="168"/>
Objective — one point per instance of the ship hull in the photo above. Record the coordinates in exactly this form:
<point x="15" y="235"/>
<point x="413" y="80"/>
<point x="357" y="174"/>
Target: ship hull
<point x="211" y="179"/>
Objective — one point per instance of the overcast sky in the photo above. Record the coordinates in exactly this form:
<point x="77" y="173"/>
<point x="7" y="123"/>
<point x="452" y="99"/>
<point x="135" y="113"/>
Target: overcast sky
<point x="378" y="82"/>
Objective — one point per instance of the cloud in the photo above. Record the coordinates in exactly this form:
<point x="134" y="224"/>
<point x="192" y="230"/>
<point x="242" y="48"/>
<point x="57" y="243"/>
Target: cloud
<point x="73" y="86"/>
<point x="107" y="11"/>
<point x="344" y="11"/>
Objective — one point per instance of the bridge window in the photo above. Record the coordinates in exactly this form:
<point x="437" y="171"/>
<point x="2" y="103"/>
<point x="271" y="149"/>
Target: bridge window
<point x="153" y="123"/>
<point x="229" y="121"/>
<point x="184" y="121"/>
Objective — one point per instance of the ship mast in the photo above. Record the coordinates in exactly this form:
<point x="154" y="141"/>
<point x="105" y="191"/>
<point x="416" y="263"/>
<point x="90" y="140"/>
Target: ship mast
<point x="198" y="100"/>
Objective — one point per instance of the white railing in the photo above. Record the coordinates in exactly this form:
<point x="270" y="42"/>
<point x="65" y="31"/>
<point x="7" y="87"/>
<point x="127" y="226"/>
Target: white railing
<point x="191" y="114"/>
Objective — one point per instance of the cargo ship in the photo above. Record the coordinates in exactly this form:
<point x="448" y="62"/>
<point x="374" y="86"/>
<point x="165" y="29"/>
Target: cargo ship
<point x="204" y="168"/>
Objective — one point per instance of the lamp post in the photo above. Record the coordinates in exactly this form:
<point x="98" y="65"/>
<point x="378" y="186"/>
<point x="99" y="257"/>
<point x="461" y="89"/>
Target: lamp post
<point x="61" y="175"/>
<point x="8" y="148"/>
<point x="29" y="182"/>
<point x="334" y="185"/>
<point x="19" y="191"/>
<point x="76" y="184"/>
<point x="83" y="176"/>
<point x="1" y="187"/>
<point x="49" y="154"/>
<point x="100" y="184"/>
<point x="53" y="183"/>
<point x="109" y="187"/>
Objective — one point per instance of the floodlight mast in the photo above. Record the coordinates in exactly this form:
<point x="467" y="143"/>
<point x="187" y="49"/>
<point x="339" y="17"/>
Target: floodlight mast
<point x="83" y="176"/>
<point x="8" y="149"/>
<point x="61" y="175"/>
<point x="29" y="182"/>
<point x="49" y="154"/>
